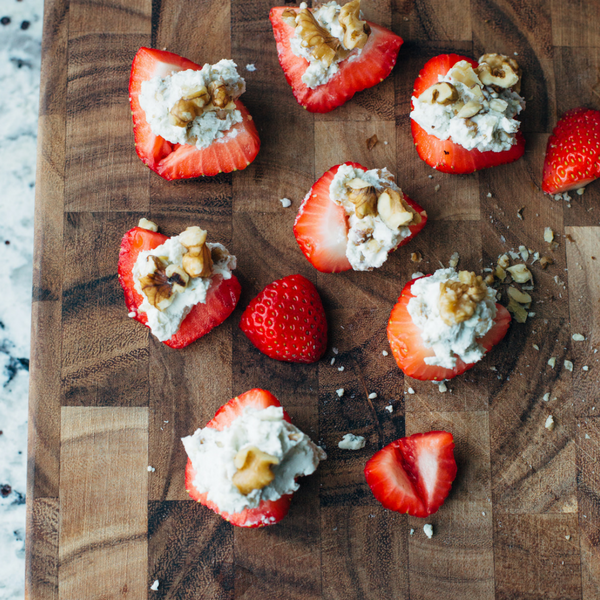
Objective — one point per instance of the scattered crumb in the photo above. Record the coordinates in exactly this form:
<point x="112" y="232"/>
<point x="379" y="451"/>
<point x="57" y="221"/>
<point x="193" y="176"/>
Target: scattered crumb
<point x="428" y="529"/>
<point x="332" y="361"/>
<point x="151" y="469"/>
<point x="578" y="337"/>
<point x="389" y="408"/>
<point x="454" y="260"/>
<point x="340" y="392"/>
<point x="548" y="235"/>
<point x="524" y="253"/>
<point x="585" y="368"/>
<point x="335" y="350"/>
<point x="340" y="368"/>
<point x="131" y="314"/>
<point x="552" y="362"/>
<point x="483" y="513"/>
<point x="568" y="365"/>
<point x="536" y="347"/>
<point x="411" y="391"/>
<point x="489" y="194"/>
<point x="580" y="191"/>
<point x="154" y="586"/>
<point x="550" y="424"/>
<point x="567" y="537"/>
<point x="385" y="352"/>
<point x="372" y="142"/>
<point x="587" y="437"/>
<point x="352" y="442"/>
<point x="385" y="143"/>
<point x="285" y="202"/>
<point x="250" y="67"/>
<point x="516" y="53"/>
<point x="437" y="187"/>
<point x="520" y="213"/>
<point x="443" y="387"/>
<point x="417" y="274"/>
<point x="546" y="396"/>
<point x="372" y="396"/>
<point x="412" y="531"/>
<point x="416" y="257"/>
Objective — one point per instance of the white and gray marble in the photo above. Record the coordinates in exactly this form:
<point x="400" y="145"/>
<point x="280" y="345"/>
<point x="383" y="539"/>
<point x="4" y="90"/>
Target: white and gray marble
<point x="20" y="37"/>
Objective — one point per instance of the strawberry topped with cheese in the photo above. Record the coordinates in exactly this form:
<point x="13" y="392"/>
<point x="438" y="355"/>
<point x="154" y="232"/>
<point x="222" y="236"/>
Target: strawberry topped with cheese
<point x="188" y="120"/>
<point x="352" y="218"/>
<point x="329" y="53"/>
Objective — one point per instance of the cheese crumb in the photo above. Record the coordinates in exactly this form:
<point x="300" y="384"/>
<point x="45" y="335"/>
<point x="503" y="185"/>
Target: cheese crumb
<point x="548" y="234"/>
<point x="352" y="442"/>
<point x="411" y="391"/>
<point x="454" y="260"/>
<point x="536" y="347"/>
<point x="578" y="337"/>
<point x="372" y="396"/>
<point x="580" y="191"/>
<point x="428" y="529"/>
<point x="154" y="586"/>
<point x="131" y="314"/>
<point x="552" y="361"/>
<point x="546" y="396"/>
<point x="332" y="360"/>
<point x="550" y="424"/>
<point x="151" y="469"/>
<point x="385" y="353"/>
<point x="568" y="365"/>
<point x="340" y="392"/>
<point x="567" y="537"/>
<point x="285" y="202"/>
<point x="250" y="67"/>
<point x="389" y="408"/>
<point x="443" y="387"/>
<point x="585" y="368"/>
<point x="340" y="368"/>
<point x="335" y="350"/>
<point x="524" y="253"/>
<point x="412" y="531"/>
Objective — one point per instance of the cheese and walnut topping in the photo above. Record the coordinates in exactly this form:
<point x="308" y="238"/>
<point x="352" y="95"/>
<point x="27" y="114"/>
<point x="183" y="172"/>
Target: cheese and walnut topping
<point x="194" y="107"/>
<point x="475" y="107"/>
<point x="378" y="215"/>
<point x="325" y="37"/>
<point x="452" y="310"/>
<point x="177" y="275"/>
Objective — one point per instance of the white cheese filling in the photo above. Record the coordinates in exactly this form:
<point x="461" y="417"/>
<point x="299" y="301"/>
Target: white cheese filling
<point x="212" y="453"/>
<point x="449" y="341"/>
<point x="160" y="94"/>
<point x="318" y="72"/>
<point x="362" y="252"/>
<point x="493" y="128"/>
<point x="165" y="323"/>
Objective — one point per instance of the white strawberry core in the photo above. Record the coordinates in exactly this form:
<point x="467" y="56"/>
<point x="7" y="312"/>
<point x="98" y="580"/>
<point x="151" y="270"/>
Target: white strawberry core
<point x="212" y="453"/>
<point x="449" y="342"/>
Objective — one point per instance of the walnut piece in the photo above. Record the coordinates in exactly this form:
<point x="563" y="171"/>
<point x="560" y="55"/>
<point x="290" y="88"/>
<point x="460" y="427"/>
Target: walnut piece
<point x="463" y="72"/>
<point x="440" y="93"/>
<point x="189" y="107"/>
<point x="220" y="96"/>
<point x="146" y="224"/>
<point x="459" y="299"/>
<point x="356" y="32"/>
<point x="499" y="70"/>
<point x="289" y="16"/>
<point x="322" y="45"/>
<point x="253" y="469"/>
<point x="393" y="210"/>
<point x="520" y="273"/>
<point x="156" y="285"/>
<point x="470" y="109"/>
<point x="197" y="262"/>
<point x="363" y="196"/>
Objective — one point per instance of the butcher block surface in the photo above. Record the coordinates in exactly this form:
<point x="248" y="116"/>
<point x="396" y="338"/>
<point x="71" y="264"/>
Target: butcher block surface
<point x="107" y="400"/>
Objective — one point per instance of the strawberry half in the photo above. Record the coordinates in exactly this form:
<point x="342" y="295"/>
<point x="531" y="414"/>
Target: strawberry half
<point x="268" y="512"/>
<point x="356" y="73"/>
<point x="445" y="155"/>
<point x="410" y="352"/>
<point x="414" y="474"/>
<point x="286" y="321"/>
<point x="233" y="152"/>
<point x="573" y="152"/>
<point x="321" y="227"/>
<point x="221" y="299"/>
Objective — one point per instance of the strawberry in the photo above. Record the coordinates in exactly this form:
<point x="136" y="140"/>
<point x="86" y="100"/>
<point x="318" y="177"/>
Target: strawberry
<point x="356" y="73"/>
<point x="233" y="152"/>
<point x="286" y="321"/>
<point x="573" y="152"/>
<point x="321" y="227"/>
<point x="414" y="474"/>
<point x="221" y="299"/>
<point x="408" y="348"/>
<point x="268" y="512"/>
<point x="445" y="155"/>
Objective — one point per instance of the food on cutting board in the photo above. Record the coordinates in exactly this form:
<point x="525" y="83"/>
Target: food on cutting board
<point x="329" y="53"/>
<point x="286" y="321"/>
<point x="573" y="152"/>
<point x="352" y="218"/>
<point x="463" y="112"/>
<point x="188" y="120"/>
<point x="244" y="464"/>
<point x="180" y="287"/>
<point x="444" y="323"/>
<point x="414" y="474"/>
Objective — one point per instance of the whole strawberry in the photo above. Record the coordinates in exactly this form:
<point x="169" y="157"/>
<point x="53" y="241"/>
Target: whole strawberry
<point x="573" y="152"/>
<point x="286" y="321"/>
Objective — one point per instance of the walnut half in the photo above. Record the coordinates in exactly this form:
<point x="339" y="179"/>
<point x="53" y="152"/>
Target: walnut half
<point x="356" y="32"/>
<point x="459" y="299"/>
<point x="253" y="469"/>
<point x="322" y="45"/>
<point x="161" y="284"/>
<point x="197" y="262"/>
<point x="363" y="196"/>
<point x="392" y="209"/>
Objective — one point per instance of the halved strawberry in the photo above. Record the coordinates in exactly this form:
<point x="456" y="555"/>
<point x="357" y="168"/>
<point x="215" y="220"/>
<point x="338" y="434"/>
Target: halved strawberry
<point x="573" y="152"/>
<point x="268" y="512"/>
<point x="233" y="152"/>
<point x="356" y="73"/>
<point x="408" y="348"/>
<point x="414" y="474"/>
<point x="445" y="155"/>
<point x="221" y="299"/>
<point x="321" y="227"/>
<point x="286" y="321"/>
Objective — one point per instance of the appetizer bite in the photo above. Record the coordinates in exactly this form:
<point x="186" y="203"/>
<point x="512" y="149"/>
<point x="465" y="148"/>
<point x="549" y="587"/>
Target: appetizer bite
<point x="353" y="218"/>
<point x="187" y="119"/>
<point x="444" y="323"/>
<point x="329" y="53"/>
<point x="244" y="464"/>
<point x="179" y="287"/>
<point x="286" y="321"/>
<point x="573" y="152"/>
<point x="463" y="112"/>
<point x="413" y="475"/>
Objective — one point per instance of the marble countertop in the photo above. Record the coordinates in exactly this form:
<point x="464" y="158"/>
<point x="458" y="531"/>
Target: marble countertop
<point x="20" y="41"/>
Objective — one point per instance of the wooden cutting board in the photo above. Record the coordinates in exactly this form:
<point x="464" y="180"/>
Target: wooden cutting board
<point x="108" y="400"/>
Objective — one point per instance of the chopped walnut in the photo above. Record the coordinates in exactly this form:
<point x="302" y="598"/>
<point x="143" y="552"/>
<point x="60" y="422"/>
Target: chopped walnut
<point x="394" y="211"/>
<point x="356" y="32"/>
<point x="189" y="107"/>
<point x="372" y="142"/>
<point x="253" y="469"/>
<point x="459" y="299"/>
<point x="499" y="70"/>
<point x="416" y="257"/>
<point x="289" y="16"/>
<point x="520" y="273"/>
<point x="220" y="95"/>
<point x="146" y="224"/>
<point x="440" y="93"/>
<point x="516" y="309"/>
<point x="322" y="45"/>
<point x="363" y="196"/>
<point x="157" y="286"/>
<point x="464" y="73"/>
<point x="545" y="261"/>
<point x="518" y="296"/>
<point x="470" y="109"/>
<point x="197" y="262"/>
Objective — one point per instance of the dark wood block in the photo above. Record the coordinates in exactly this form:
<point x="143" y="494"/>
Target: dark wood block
<point x="86" y="16"/>
<point x="573" y="24"/>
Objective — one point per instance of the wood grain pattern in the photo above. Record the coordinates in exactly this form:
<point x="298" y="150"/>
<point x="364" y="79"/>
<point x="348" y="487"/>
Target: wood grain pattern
<point x="521" y="522"/>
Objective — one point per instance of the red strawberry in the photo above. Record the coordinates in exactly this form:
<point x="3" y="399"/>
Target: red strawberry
<point x="371" y="67"/>
<point x="445" y="155"/>
<point x="221" y="299"/>
<point x="414" y="474"/>
<point x="573" y="152"/>
<point x="408" y="348"/>
<point x="286" y="321"/>
<point x="321" y="227"/>
<point x="268" y="512"/>
<point x="181" y="161"/>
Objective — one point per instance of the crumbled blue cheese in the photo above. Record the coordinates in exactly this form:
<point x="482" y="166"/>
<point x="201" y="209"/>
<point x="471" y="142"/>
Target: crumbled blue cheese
<point x="428" y="529"/>
<point x="352" y="442"/>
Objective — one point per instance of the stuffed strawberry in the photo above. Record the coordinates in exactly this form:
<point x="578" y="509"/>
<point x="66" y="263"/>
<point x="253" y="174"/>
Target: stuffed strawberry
<point x="353" y="218"/>
<point x="244" y="464"/>
<point x="179" y="287"/>
<point x="413" y="475"/>
<point x="286" y="321"/>
<point x="444" y="323"/>
<point x="330" y="53"/>
<point x="463" y="112"/>
<point x="573" y="152"/>
<point x="187" y="119"/>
